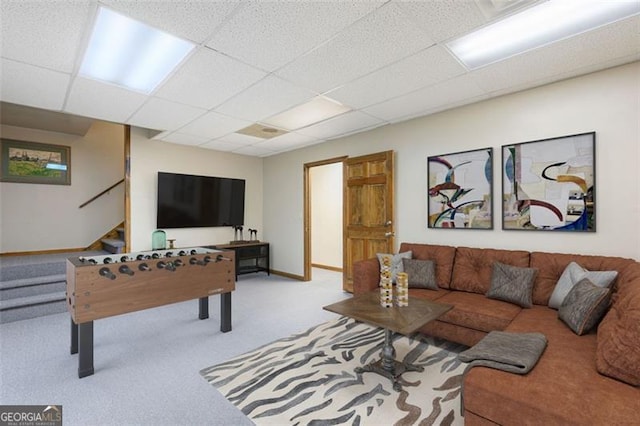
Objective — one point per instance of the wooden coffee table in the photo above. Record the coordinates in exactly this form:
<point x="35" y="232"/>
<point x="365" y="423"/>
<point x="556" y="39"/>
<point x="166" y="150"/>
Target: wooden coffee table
<point x="403" y="320"/>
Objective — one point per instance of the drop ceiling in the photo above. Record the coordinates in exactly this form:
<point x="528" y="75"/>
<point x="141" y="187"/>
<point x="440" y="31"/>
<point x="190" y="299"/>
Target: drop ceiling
<point x="385" y="60"/>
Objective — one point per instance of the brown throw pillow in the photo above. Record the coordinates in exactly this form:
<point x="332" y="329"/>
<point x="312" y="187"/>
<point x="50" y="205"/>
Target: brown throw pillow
<point x="512" y="284"/>
<point x="618" y="350"/>
<point x="422" y="273"/>
<point x="584" y="306"/>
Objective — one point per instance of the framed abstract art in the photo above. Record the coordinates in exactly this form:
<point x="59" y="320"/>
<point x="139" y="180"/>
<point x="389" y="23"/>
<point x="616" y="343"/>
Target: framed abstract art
<point x="460" y="190"/>
<point x="549" y="184"/>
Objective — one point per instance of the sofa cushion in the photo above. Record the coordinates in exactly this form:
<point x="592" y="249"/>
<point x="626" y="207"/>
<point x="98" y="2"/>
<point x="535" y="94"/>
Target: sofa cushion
<point x="475" y="311"/>
<point x="584" y="306"/>
<point x="441" y="255"/>
<point x="551" y="266"/>
<point x="618" y="351"/>
<point x="394" y="261"/>
<point x="473" y="267"/>
<point x="574" y="273"/>
<point x="428" y="294"/>
<point x="563" y="388"/>
<point x="421" y="273"/>
<point x="512" y="284"/>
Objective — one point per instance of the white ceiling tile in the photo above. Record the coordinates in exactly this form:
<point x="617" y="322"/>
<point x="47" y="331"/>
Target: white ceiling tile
<point x="253" y="151"/>
<point x="264" y="99"/>
<point x="193" y="20"/>
<point x="214" y="125"/>
<point x="379" y="39"/>
<point x="161" y="114"/>
<point x="99" y="100"/>
<point x="286" y="142"/>
<point x="33" y="86"/>
<point x="436" y="97"/>
<point x="425" y="68"/>
<point x="444" y="19"/>
<point x="598" y="46"/>
<point x="256" y="34"/>
<point x="341" y="125"/>
<point x="219" y="145"/>
<point x="44" y="33"/>
<point x="207" y="79"/>
<point x="239" y="139"/>
<point x="183" y="139"/>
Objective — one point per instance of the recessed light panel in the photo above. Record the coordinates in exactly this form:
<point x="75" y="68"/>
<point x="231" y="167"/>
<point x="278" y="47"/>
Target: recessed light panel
<point x="536" y="27"/>
<point x="131" y="54"/>
<point x="317" y="109"/>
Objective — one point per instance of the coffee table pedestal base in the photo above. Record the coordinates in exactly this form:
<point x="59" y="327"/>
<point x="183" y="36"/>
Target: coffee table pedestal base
<point x="387" y="365"/>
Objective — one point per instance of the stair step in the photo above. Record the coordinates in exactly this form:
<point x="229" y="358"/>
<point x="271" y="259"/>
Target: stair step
<point x="112" y="245"/>
<point x="32" y="306"/>
<point x="27" y="270"/>
<point x="39" y="299"/>
<point x="32" y="286"/>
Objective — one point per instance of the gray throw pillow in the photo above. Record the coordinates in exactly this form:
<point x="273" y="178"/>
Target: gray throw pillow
<point x="512" y="284"/>
<point x="422" y="273"/>
<point x="584" y="306"/>
<point x="574" y="273"/>
<point x="396" y="262"/>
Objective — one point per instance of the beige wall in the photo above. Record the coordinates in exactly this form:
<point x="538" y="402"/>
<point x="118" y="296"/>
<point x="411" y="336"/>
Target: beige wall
<point x="148" y="157"/>
<point x="326" y="214"/>
<point x="606" y="102"/>
<point x="46" y="217"/>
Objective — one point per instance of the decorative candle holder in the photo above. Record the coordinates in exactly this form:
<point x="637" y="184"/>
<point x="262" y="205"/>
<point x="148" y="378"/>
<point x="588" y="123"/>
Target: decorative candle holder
<point x="402" y="289"/>
<point x="386" y="288"/>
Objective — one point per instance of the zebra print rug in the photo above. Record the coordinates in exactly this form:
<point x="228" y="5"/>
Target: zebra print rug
<point x="309" y="379"/>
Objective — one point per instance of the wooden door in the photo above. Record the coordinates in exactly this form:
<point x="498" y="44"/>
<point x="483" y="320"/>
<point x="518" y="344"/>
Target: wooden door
<point x="368" y="210"/>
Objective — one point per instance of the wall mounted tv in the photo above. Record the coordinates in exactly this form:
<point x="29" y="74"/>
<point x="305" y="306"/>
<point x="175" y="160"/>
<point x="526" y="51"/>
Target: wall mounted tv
<point x="189" y="201"/>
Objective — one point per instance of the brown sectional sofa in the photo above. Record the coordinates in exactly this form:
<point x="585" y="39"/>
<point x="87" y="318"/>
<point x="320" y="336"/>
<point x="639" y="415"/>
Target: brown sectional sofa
<point x="584" y="380"/>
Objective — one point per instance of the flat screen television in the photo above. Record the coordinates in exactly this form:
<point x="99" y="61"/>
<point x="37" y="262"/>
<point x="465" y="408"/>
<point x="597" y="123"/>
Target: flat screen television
<point x="189" y="201"/>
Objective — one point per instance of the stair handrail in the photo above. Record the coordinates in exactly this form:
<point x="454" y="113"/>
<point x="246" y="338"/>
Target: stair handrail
<point x="101" y="194"/>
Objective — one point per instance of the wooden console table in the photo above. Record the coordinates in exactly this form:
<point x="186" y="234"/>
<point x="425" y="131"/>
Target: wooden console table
<point x="251" y="256"/>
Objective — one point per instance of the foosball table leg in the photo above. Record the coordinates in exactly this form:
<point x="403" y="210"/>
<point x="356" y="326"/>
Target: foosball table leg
<point x="203" y="308"/>
<point x="74" y="337"/>
<point x="225" y="312"/>
<point x="85" y="353"/>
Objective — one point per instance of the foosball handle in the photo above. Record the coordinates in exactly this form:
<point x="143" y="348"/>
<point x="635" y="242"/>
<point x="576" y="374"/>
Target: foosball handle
<point x="106" y="272"/>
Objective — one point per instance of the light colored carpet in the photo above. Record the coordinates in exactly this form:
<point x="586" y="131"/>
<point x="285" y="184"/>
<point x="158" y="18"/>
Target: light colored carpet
<point x="147" y="363"/>
<point x="309" y="379"/>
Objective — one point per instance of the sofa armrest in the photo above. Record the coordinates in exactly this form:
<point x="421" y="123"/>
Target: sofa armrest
<point x="366" y="275"/>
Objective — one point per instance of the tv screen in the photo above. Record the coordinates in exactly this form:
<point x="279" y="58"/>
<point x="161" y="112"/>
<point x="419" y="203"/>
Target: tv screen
<point x="189" y="201"/>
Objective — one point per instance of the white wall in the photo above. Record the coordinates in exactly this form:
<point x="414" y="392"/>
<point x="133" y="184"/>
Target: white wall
<point x="38" y="217"/>
<point x="606" y="102"/>
<point x="148" y="157"/>
<point x="326" y="214"/>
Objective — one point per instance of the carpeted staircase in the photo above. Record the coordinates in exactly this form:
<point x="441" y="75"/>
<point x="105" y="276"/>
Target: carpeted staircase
<point x="33" y="286"/>
<point x="114" y="245"/>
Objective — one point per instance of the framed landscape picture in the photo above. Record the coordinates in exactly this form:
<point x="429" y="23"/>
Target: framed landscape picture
<point x="549" y="184"/>
<point x="31" y="162"/>
<point x="459" y="190"/>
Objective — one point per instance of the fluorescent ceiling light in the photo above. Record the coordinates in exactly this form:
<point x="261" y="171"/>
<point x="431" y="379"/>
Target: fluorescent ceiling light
<point x="538" y="26"/>
<point x="317" y="109"/>
<point x="131" y="54"/>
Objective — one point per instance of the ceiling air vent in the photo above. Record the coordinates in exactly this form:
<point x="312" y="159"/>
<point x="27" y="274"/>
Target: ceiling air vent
<point x="261" y="131"/>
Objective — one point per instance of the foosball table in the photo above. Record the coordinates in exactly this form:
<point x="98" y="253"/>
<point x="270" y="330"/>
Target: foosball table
<point x="104" y="286"/>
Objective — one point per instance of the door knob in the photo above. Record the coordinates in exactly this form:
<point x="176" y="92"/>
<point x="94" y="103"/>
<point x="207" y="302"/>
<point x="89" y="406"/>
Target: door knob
<point x="389" y="223"/>
<point x="389" y="234"/>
